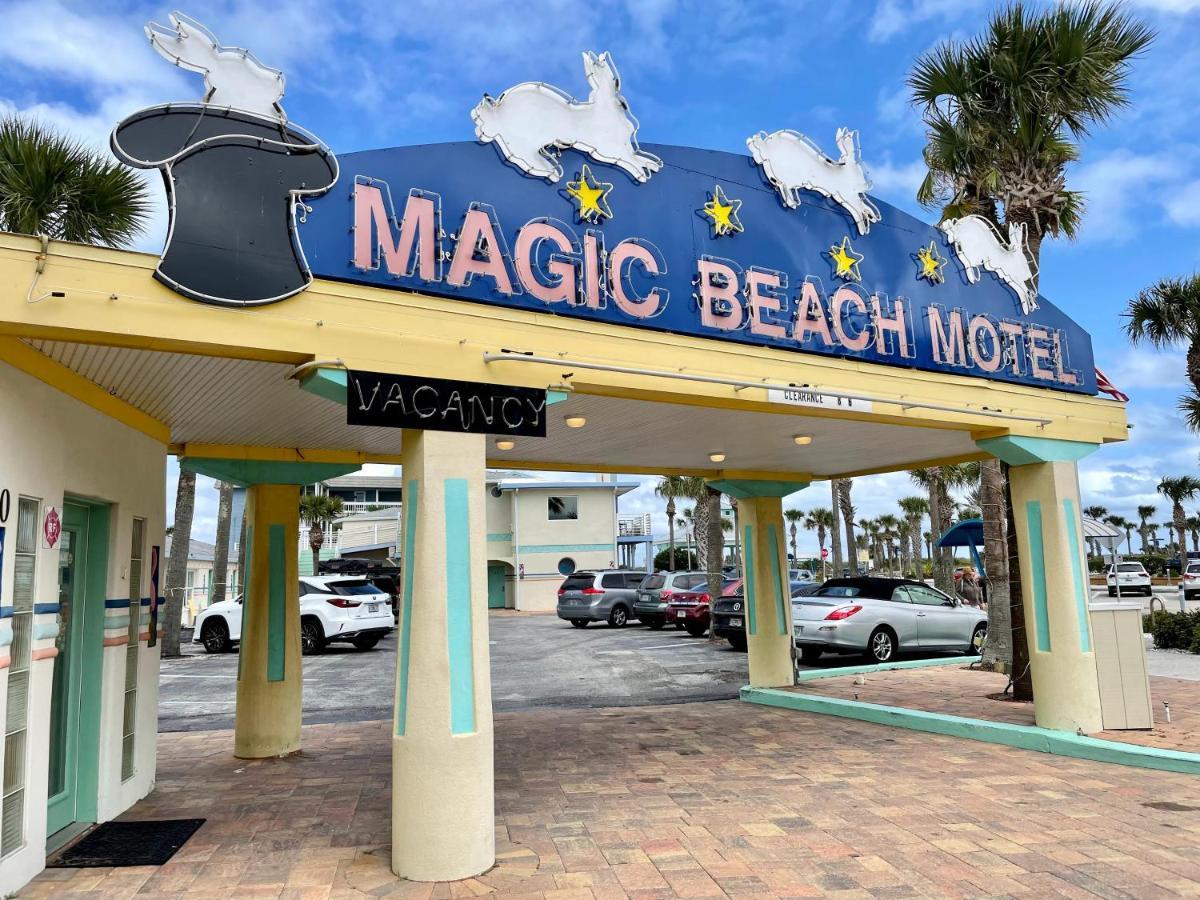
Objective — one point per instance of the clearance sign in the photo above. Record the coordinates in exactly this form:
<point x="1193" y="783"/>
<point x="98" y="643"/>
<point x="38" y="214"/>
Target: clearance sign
<point x="708" y="246"/>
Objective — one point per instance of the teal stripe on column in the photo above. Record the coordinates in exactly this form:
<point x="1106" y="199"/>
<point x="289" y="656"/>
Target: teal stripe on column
<point x="277" y="601"/>
<point x="411" y="492"/>
<point x="245" y="592"/>
<point x="1037" y="566"/>
<point x="777" y="579"/>
<point x="1074" y="548"/>
<point x="751" y="593"/>
<point x="458" y="607"/>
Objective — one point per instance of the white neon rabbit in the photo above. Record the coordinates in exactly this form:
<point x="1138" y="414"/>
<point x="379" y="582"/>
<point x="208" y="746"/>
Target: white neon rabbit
<point x="978" y="245"/>
<point x="532" y="121"/>
<point x="233" y="77"/>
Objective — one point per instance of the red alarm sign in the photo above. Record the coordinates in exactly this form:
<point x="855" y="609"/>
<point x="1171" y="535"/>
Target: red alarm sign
<point x="51" y="527"/>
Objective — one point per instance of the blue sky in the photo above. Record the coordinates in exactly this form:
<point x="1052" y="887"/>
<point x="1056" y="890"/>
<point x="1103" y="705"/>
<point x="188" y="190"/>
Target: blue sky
<point x="705" y="74"/>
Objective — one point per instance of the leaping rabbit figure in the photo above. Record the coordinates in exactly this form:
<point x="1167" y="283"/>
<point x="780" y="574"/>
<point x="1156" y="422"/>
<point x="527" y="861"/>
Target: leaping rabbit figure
<point x="531" y="122"/>
<point x="233" y="78"/>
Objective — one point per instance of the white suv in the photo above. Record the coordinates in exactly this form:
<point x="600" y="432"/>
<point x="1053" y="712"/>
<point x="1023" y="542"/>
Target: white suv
<point x="1132" y="578"/>
<point x="332" y="608"/>
<point x="1189" y="584"/>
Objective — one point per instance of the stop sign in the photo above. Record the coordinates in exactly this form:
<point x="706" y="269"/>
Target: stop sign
<point x="824" y="553"/>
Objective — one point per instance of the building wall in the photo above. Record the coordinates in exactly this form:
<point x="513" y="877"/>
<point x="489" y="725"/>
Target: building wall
<point x="53" y="445"/>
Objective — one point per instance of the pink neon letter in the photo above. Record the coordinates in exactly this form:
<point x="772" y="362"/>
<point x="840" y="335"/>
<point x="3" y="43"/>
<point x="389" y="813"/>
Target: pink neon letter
<point x="843" y="297"/>
<point x="592" y="298"/>
<point x="560" y="272"/>
<point x="631" y="252"/>
<point x="417" y="227"/>
<point x="981" y="325"/>
<point x="947" y="348"/>
<point x="810" y="316"/>
<point x="897" y="325"/>
<point x="477" y="231"/>
<point x="1039" y="353"/>
<point x="755" y="282"/>
<point x="711" y="292"/>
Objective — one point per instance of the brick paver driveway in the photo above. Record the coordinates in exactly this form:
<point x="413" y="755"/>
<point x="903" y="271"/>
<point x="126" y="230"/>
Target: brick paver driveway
<point x="699" y="799"/>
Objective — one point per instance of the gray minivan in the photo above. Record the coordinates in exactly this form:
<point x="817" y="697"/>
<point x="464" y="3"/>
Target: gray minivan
<point x="606" y="596"/>
<point x="650" y="607"/>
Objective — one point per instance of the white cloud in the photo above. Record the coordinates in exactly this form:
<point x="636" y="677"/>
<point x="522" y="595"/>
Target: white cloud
<point x="1183" y="206"/>
<point x="1169" y="6"/>
<point x="896" y="183"/>
<point x="1148" y="369"/>
<point x="1116" y="186"/>
<point x="895" y="16"/>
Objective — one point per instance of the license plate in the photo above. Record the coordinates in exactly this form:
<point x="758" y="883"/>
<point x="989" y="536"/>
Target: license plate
<point x="735" y="623"/>
<point x="682" y="614"/>
<point x="372" y="607"/>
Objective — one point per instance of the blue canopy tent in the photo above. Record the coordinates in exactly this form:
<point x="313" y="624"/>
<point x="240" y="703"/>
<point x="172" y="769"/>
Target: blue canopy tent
<point x="967" y="533"/>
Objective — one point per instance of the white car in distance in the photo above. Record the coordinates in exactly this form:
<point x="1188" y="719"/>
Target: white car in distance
<point x="1131" y="577"/>
<point x="332" y="608"/>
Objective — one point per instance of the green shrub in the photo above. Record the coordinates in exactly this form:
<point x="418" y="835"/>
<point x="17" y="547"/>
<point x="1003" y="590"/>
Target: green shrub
<point x="685" y="560"/>
<point x="1195" y="648"/>
<point x="1175" y="630"/>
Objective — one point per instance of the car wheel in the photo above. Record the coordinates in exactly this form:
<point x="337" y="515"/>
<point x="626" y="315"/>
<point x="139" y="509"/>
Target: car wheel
<point x="580" y="623"/>
<point x="695" y="630"/>
<point x="978" y="637"/>
<point x="215" y="636"/>
<point x="619" y="617"/>
<point x="367" y="641"/>
<point x="679" y="626"/>
<point x="882" y="646"/>
<point x="1149" y="592"/>
<point x="809" y="655"/>
<point x="1112" y="592"/>
<point x="737" y="642"/>
<point x="312" y="637"/>
<point x="655" y="624"/>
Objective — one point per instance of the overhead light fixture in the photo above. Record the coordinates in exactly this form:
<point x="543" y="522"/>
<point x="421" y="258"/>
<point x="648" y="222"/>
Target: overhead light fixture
<point x="802" y="439"/>
<point x="717" y="457"/>
<point x="575" y="421"/>
<point x="504" y="444"/>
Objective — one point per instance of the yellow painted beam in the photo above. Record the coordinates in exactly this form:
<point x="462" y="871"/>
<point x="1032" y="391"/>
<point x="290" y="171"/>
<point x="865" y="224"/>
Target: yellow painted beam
<point x="283" y="454"/>
<point x="21" y="356"/>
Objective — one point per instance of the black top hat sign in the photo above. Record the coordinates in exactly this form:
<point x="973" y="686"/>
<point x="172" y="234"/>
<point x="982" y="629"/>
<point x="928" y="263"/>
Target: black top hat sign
<point x="235" y="170"/>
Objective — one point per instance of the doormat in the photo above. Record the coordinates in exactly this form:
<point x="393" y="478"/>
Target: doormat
<point x="119" y="844"/>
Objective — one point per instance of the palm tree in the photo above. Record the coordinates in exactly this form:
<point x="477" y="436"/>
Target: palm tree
<point x="672" y="488"/>
<point x="846" y="508"/>
<point x="716" y="526"/>
<point x="794" y="519"/>
<point x="1177" y="489"/>
<point x="914" y="508"/>
<point x="1144" y="514"/>
<point x="835" y="531"/>
<point x="1095" y="512"/>
<point x="318" y="511"/>
<point x="1167" y="314"/>
<point x="889" y="527"/>
<point x="1193" y="527"/>
<point x="933" y="479"/>
<point x="54" y="186"/>
<point x="181" y="542"/>
<point x="1123" y="524"/>
<point x="822" y="520"/>
<point x="221" y="550"/>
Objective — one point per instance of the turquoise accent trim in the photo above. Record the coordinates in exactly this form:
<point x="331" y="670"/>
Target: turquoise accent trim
<point x="116" y="622"/>
<point x="745" y="489"/>
<point x="458" y="606"/>
<point x="276" y="602"/>
<point x="45" y="630"/>
<point x="777" y="578"/>
<point x="562" y="548"/>
<point x="246" y="596"/>
<point x="411" y="502"/>
<point x="328" y="383"/>
<point x="1074" y="546"/>
<point x="553" y="397"/>
<point x="1024" y="451"/>
<point x="1026" y="737"/>
<point x="751" y="586"/>
<point x="499" y="536"/>
<point x="247" y="472"/>
<point x="1037" y="565"/>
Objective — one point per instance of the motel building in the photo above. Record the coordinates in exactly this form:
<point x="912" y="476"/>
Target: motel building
<point x="753" y="318"/>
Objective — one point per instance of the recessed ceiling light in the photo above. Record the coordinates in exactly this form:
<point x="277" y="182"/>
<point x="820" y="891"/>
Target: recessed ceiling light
<point x="802" y="439"/>
<point x="575" y="421"/>
<point x="717" y="457"/>
<point x="504" y="444"/>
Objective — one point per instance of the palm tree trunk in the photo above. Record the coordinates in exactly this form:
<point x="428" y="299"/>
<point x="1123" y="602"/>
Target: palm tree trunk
<point x="914" y="532"/>
<point x="1022" y="678"/>
<point x="795" y="554"/>
<point x="716" y="552"/>
<point x="316" y="538"/>
<point x="998" y="652"/>
<point x="943" y="566"/>
<point x="700" y="532"/>
<point x="181" y="542"/>
<point x="836" y="535"/>
<point x="221" y="551"/>
<point x="847" y="510"/>
<point x="670" y="535"/>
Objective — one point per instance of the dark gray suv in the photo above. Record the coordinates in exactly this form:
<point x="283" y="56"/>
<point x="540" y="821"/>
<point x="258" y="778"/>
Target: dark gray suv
<point x="606" y="596"/>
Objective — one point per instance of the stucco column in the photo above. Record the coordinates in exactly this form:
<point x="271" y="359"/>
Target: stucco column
<point x="269" y="676"/>
<point x="768" y="600"/>
<point x="1044" y="482"/>
<point x="442" y="777"/>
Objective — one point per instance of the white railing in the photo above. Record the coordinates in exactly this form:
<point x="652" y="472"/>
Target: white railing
<point x="629" y="525"/>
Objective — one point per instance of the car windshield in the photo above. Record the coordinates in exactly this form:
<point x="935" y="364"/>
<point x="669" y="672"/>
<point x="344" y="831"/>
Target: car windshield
<point x="578" y="582"/>
<point x="702" y="587"/>
<point x="840" y="590"/>
<point x="1130" y="567"/>
<point x="1193" y="569"/>
<point x="653" y="582"/>
<point x="353" y="588"/>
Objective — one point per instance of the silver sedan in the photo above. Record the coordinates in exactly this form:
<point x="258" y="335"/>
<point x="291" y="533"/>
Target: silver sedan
<point x="880" y="617"/>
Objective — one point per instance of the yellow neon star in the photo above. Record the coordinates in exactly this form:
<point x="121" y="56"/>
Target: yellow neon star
<point x="591" y="196"/>
<point x="724" y="213"/>
<point x="845" y="261"/>
<point x="930" y="264"/>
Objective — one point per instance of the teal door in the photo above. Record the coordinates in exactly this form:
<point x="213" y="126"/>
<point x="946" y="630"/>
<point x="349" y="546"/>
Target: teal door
<point x="495" y="587"/>
<point x="75" y="690"/>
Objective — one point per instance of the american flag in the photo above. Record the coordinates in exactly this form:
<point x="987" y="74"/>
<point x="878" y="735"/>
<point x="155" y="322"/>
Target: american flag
<point x="1107" y="387"/>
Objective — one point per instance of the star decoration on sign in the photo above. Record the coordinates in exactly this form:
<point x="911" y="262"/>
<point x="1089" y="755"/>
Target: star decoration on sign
<point x="845" y="261"/>
<point x="723" y="212"/>
<point x="930" y="263"/>
<point x="591" y="196"/>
